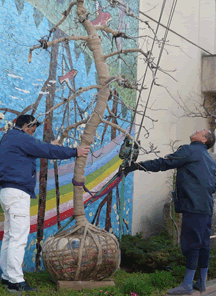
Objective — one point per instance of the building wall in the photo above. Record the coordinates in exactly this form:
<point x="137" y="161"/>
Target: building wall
<point x="195" y="20"/>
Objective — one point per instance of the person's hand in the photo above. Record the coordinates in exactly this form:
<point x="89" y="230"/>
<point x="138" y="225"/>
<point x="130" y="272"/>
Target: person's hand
<point x="83" y="151"/>
<point x="133" y="167"/>
<point x="56" y="142"/>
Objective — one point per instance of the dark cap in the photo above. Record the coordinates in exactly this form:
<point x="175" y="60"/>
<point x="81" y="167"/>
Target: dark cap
<point x="22" y="119"/>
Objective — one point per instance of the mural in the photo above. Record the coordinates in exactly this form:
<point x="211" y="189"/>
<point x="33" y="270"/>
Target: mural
<point x="60" y="71"/>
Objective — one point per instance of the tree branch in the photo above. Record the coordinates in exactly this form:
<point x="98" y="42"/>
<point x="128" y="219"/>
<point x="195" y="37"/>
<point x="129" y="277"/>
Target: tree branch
<point x="65" y="14"/>
<point x="80" y="91"/>
<point x="46" y="44"/>
<point x="68" y="128"/>
<point x="118" y="128"/>
<point x="116" y="34"/>
<point x="125" y="51"/>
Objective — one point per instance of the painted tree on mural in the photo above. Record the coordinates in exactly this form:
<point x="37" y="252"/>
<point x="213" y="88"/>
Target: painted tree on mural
<point x="116" y="84"/>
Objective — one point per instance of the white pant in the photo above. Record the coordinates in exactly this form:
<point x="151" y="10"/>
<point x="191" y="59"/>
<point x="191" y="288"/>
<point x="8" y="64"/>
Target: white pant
<point x="16" y="206"/>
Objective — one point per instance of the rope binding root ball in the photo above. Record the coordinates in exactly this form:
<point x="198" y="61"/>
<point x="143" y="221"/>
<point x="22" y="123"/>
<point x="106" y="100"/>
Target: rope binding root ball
<point x="83" y="252"/>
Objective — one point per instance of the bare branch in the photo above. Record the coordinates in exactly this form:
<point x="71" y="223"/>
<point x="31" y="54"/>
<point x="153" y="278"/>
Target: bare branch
<point x="116" y="34"/>
<point x="70" y="127"/>
<point x="45" y="44"/>
<point x="153" y="149"/>
<point x="127" y="11"/>
<point x="118" y="128"/>
<point x="124" y="82"/>
<point x="125" y="51"/>
<point x="175" y="32"/>
<point x="65" y="14"/>
<point x="78" y="93"/>
<point x="132" y="109"/>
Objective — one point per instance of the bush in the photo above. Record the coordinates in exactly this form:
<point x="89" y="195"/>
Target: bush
<point x="149" y="255"/>
<point x="137" y="285"/>
<point x="157" y="254"/>
<point x="162" y="280"/>
<point x="212" y="264"/>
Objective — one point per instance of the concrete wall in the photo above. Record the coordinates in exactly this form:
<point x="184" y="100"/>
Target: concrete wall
<point x="195" y="20"/>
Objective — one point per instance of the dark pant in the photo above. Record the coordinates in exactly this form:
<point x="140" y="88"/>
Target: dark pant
<point x="195" y="239"/>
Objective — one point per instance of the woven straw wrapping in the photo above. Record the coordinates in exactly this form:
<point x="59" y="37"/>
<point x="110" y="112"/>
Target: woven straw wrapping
<point x="81" y="253"/>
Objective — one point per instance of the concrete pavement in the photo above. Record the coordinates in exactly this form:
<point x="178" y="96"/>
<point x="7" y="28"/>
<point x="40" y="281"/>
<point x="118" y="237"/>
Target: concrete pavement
<point x="210" y="289"/>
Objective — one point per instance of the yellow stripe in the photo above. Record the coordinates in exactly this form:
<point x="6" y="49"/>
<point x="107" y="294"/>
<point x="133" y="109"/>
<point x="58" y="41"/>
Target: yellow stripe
<point x="51" y="204"/>
<point x="1" y="217"/>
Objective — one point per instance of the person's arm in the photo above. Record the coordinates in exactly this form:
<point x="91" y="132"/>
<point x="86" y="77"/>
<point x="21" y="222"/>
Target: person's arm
<point x="172" y="161"/>
<point x="81" y="151"/>
<point x="41" y="149"/>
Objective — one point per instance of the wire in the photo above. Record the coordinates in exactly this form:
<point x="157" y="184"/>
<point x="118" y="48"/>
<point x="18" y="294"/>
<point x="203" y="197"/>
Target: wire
<point x="159" y="58"/>
<point x="153" y="43"/>
<point x="175" y="33"/>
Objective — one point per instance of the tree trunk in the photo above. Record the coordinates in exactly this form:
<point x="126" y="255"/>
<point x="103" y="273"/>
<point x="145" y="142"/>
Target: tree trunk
<point x="47" y="137"/>
<point x="87" y="138"/>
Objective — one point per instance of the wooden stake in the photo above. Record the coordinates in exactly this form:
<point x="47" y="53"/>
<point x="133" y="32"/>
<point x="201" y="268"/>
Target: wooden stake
<point x="80" y="285"/>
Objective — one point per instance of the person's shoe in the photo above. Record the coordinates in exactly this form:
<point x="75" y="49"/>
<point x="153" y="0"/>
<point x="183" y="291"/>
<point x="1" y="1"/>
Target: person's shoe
<point x="199" y="287"/>
<point x="4" y="283"/>
<point x="201" y="281"/>
<point x="180" y="290"/>
<point x="18" y="288"/>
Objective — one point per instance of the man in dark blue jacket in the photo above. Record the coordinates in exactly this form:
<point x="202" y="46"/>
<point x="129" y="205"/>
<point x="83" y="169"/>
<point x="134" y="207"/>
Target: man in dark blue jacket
<point x="195" y="184"/>
<point x="18" y="153"/>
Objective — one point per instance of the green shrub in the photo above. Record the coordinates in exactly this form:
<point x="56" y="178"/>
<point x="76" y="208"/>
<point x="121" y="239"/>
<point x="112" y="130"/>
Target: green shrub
<point x="212" y="264"/>
<point x="162" y="280"/>
<point x="137" y="285"/>
<point x="149" y="255"/>
<point x="157" y="254"/>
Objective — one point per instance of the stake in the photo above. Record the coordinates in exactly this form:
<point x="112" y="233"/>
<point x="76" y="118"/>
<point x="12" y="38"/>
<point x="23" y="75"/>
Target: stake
<point x="121" y="209"/>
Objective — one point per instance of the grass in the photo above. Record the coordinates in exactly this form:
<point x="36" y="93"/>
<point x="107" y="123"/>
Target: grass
<point x="142" y="284"/>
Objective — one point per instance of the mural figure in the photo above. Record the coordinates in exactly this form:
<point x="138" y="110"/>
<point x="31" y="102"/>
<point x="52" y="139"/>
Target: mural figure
<point x="103" y="18"/>
<point x="66" y="78"/>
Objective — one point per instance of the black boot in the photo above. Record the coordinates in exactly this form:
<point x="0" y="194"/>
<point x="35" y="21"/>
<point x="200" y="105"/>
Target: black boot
<point x="4" y="283"/>
<point x="18" y="288"/>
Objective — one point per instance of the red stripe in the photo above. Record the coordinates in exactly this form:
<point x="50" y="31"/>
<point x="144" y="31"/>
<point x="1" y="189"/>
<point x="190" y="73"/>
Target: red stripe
<point x="67" y="214"/>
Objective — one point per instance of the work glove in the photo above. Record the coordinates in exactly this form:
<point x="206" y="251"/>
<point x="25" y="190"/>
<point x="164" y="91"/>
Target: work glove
<point x="133" y="167"/>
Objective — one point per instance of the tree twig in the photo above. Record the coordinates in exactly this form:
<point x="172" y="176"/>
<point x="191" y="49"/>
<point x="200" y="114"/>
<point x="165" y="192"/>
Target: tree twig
<point x="125" y="51"/>
<point x="65" y="15"/>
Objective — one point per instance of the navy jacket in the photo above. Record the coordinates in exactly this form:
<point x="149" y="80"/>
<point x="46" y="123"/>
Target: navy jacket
<point x="18" y="153"/>
<point x="195" y="180"/>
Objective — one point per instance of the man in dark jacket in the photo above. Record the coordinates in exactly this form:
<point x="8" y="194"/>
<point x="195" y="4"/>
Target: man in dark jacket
<point x="18" y="153"/>
<point x="195" y="184"/>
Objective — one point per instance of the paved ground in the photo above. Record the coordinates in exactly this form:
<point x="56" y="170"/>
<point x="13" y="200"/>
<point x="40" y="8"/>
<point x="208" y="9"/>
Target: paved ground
<point x="210" y="289"/>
